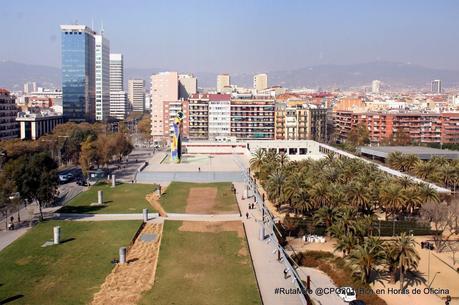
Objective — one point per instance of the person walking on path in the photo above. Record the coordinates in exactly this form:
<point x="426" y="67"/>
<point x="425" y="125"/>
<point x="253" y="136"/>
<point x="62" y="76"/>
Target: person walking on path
<point x="247" y="215"/>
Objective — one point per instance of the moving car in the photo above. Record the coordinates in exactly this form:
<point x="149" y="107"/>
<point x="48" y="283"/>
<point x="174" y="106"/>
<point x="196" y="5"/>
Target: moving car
<point x="347" y="294"/>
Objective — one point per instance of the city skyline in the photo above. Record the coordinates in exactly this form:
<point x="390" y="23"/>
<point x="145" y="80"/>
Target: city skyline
<point x="207" y="32"/>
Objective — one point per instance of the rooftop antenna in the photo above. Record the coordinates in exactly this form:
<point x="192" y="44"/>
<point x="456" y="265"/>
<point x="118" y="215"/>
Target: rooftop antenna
<point x="102" y="28"/>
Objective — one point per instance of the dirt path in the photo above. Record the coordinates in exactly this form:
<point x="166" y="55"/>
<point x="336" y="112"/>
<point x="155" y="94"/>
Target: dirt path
<point x="153" y="199"/>
<point x="126" y="283"/>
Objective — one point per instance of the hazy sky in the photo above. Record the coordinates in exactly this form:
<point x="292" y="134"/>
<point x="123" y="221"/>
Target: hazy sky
<point x="241" y="35"/>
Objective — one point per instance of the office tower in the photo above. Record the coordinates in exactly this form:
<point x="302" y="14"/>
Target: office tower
<point x="78" y="73"/>
<point x="102" y="77"/>
<point x="9" y="128"/>
<point x="118" y="97"/>
<point x="436" y="86"/>
<point x="188" y="85"/>
<point x="164" y="87"/>
<point x="136" y="94"/>
<point x="375" y="86"/>
<point x="260" y="82"/>
<point x="223" y="80"/>
<point x="30" y="87"/>
<point x="116" y="72"/>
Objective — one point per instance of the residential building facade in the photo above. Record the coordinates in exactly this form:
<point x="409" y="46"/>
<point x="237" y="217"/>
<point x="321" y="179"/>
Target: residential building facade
<point x="188" y="85"/>
<point x="9" y="128"/>
<point x="260" y="81"/>
<point x="164" y="87"/>
<point x="252" y="118"/>
<point x="223" y="80"/>
<point x="296" y="120"/>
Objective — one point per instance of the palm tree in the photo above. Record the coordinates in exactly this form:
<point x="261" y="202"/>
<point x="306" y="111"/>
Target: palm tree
<point x="413" y="199"/>
<point x="395" y="160"/>
<point x="364" y="258"/>
<point x="283" y="159"/>
<point x="423" y="169"/>
<point x="275" y="187"/>
<point x="325" y="216"/>
<point x="392" y="198"/>
<point x="428" y="193"/>
<point x="358" y="196"/>
<point x="345" y="243"/>
<point x="403" y="253"/>
<point x="256" y="162"/>
<point x="409" y="162"/>
<point x="320" y="194"/>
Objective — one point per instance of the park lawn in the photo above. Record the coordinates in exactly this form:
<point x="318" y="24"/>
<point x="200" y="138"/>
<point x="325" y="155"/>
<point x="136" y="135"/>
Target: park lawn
<point x="124" y="198"/>
<point x="211" y="273"/>
<point x="69" y="273"/>
<point x="174" y="199"/>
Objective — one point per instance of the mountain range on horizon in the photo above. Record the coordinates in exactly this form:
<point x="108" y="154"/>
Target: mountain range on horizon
<point x="393" y="75"/>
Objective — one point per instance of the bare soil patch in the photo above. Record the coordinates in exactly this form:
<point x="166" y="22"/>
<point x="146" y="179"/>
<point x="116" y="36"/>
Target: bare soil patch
<point x="201" y="200"/>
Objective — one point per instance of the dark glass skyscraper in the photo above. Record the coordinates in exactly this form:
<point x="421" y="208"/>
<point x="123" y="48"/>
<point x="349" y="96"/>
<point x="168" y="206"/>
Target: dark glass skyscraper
<point x="78" y="73"/>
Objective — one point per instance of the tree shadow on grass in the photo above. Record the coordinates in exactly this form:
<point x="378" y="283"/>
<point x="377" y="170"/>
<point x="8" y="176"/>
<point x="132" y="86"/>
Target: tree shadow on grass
<point x="83" y="209"/>
<point x="11" y="299"/>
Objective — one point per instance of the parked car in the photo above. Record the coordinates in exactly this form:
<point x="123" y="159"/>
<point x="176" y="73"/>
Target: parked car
<point x="63" y="178"/>
<point x="347" y="294"/>
<point x="357" y="302"/>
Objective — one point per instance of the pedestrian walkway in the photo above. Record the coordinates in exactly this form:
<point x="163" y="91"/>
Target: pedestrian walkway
<point x="319" y="281"/>
<point x="137" y="216"/>
<point x="269" y="271"/>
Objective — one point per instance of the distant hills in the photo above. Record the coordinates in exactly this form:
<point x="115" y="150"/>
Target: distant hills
<point x="393" y="75"/>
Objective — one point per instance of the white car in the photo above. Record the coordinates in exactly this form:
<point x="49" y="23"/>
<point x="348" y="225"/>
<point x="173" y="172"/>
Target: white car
<point x="346" y="293"/>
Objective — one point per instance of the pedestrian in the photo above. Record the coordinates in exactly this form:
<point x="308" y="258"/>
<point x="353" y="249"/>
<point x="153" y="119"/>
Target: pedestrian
<point x="285" y="273"/>
<point x="199" y="169"/>
<point x="247" y="215"/>
<point x="12" y="219"/>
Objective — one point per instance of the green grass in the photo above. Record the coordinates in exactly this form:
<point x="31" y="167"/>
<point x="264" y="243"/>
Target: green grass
<point x="211" y="273"/>
<point x="174" y="200"/>
<point x="124" y="198"/>
<point x="69" y="273"/>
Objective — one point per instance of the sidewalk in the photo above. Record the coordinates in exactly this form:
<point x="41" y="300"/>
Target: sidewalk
<point x="269" y="272"/>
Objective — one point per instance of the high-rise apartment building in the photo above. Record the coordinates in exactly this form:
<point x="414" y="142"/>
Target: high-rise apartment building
<point x="102" y="77"/>
<point x="118" y="97"/>
<point x="30" y="87"/>
<point x="376" y="86"/>
<point x="223" y="80"/>
<point x="164" y="87"/>
<point x="260" y="82"/>
<point x="199" y="117"/>
<point x="188" y="85"/>
<point x="136" y="94"/>
<point x="436" y="86"/>
<point x="78" y="72"/>
<point x="9" y="128"/>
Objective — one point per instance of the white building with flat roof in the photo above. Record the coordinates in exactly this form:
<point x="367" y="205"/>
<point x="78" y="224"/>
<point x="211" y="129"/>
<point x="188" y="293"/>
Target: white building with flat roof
<point x="188" y="85"/>
<point x="136" y="94"/>
<point x="260" y="81"/>
<point x="223" y="80"/>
